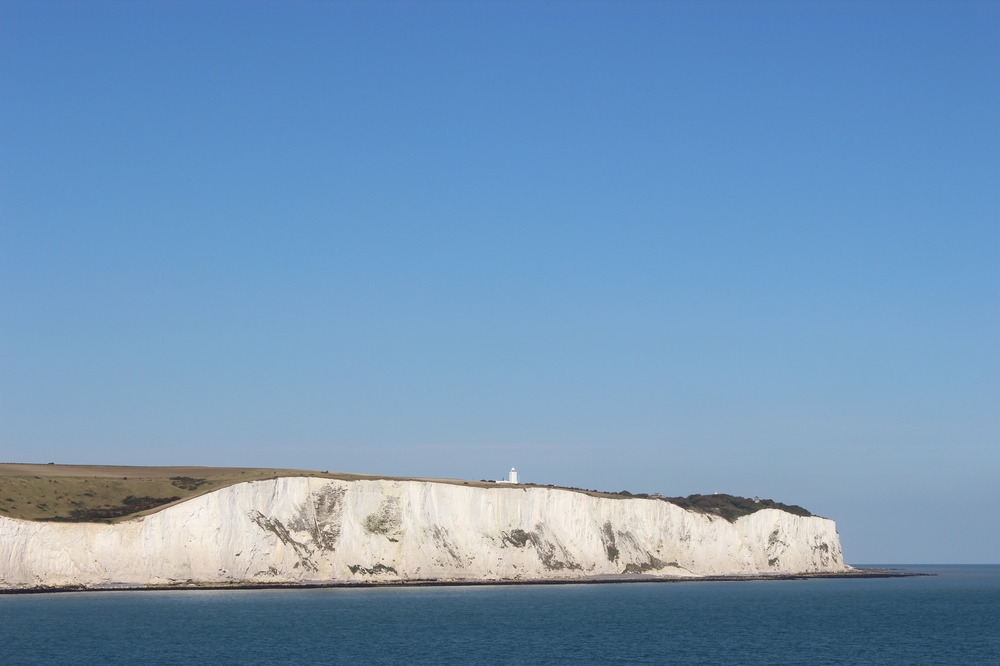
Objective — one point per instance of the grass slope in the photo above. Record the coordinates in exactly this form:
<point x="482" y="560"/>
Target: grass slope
<point x="108" y="493"/>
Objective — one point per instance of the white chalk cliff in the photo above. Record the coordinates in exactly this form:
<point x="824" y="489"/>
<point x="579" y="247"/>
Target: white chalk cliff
<point x="310" y="530"/>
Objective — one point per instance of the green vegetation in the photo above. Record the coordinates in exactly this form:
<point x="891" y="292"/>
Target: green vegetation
<point x="81" y="493"/>
<point x="129" y="505"/>
<point x="732" y="507"/>
<point x="94" y="493"/>
<point x="187" y="483"/>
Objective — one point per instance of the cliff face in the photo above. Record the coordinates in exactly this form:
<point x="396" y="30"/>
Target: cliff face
<point x="309" y="530"/>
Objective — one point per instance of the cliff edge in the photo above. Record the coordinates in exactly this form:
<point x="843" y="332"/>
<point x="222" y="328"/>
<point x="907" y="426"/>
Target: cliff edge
<point x="299" y="530"/>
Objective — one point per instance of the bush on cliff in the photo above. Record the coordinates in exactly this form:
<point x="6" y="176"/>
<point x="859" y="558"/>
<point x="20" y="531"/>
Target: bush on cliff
<point x="732" y="507"/>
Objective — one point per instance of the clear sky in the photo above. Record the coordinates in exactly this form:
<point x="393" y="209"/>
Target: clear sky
<point x="676" y="247"/>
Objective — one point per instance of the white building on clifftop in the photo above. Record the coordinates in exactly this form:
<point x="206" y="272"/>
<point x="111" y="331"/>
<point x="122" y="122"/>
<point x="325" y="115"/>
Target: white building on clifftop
<point x="511" y="478"/>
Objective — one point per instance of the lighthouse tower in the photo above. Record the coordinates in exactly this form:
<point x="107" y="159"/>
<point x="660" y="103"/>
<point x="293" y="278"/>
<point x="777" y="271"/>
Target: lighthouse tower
<point x="513" y="475"/>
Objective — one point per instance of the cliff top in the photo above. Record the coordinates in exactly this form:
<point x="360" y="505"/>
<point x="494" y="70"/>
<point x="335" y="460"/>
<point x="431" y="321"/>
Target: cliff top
<point x="109" y="493"/>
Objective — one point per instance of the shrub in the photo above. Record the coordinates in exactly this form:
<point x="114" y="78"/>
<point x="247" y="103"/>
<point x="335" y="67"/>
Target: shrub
<point x="187" y="482"/>
<point x="732" y="507"/>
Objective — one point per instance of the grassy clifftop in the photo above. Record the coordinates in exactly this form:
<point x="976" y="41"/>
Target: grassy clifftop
<point x="108" y="493"/>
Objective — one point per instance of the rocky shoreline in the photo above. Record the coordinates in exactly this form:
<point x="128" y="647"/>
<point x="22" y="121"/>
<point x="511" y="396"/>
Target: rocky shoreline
<point x="589" y="580"/>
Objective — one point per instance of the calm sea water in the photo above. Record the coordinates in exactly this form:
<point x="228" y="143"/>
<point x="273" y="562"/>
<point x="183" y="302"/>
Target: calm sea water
<point x="951" y="618"/>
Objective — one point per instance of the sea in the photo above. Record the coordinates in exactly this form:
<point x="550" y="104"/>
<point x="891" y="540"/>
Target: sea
<point x="950" y="617"/>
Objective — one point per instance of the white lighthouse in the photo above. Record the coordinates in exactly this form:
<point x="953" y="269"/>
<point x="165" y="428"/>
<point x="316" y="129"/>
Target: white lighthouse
<point x="511" y="478"/>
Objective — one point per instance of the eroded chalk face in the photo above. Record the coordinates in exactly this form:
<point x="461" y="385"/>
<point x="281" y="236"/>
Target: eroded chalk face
<point x="310" y="530"/>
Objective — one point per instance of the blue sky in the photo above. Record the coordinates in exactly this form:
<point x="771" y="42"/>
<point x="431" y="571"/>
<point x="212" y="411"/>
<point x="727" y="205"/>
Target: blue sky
<point x="657" y="246"/>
